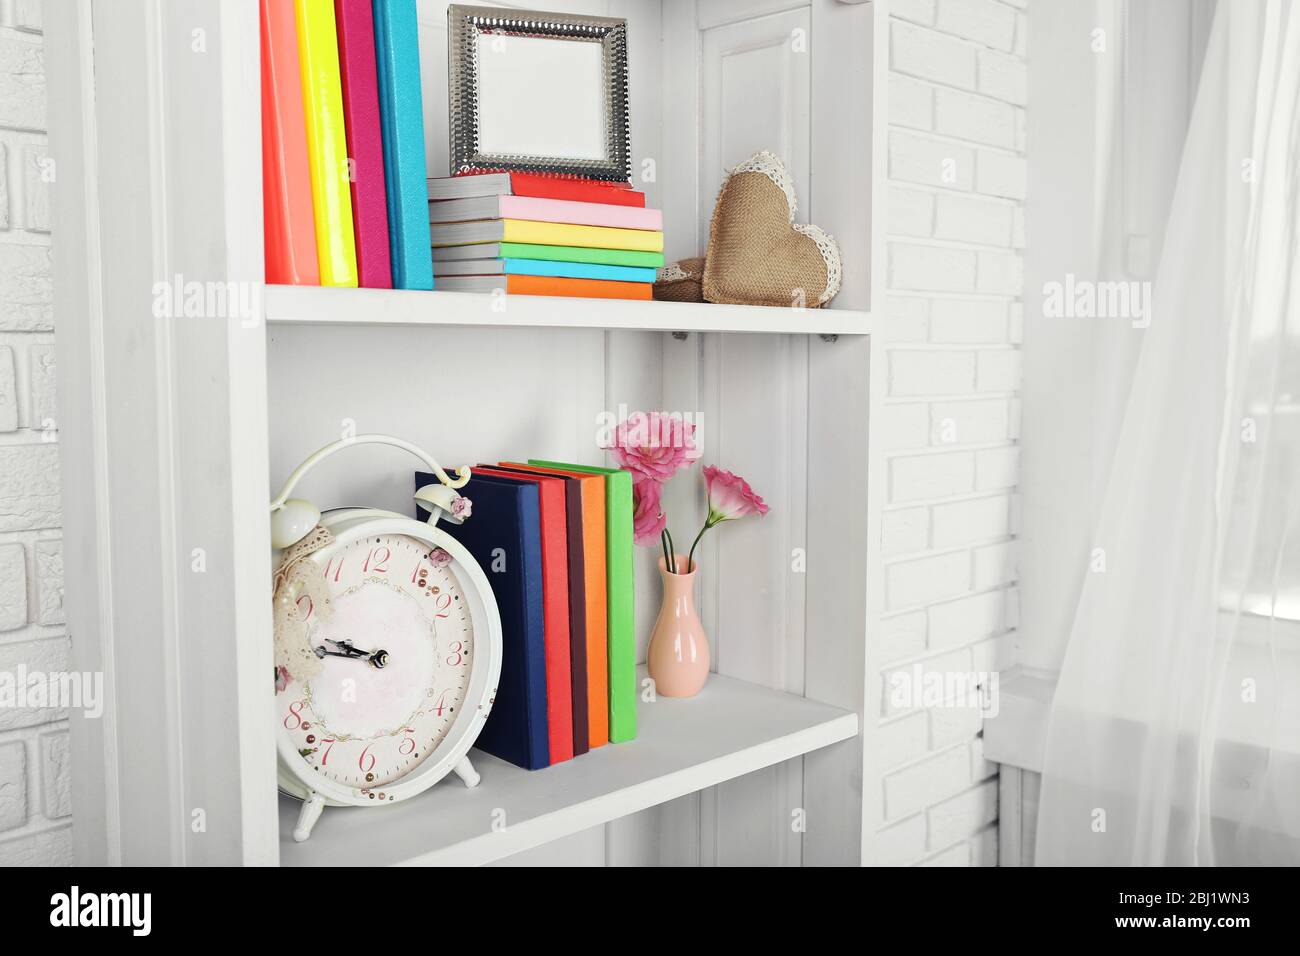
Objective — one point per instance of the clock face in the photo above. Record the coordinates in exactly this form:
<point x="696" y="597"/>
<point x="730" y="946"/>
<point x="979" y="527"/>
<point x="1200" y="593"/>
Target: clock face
<point x="363" y="726"/>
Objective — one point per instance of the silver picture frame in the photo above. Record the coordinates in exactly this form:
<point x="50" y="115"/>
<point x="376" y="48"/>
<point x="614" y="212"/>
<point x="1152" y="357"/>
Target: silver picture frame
<point x="587" y="68"/>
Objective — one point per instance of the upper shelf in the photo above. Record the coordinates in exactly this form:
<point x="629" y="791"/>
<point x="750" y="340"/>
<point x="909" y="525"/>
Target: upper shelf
<point x="315" y="305"/>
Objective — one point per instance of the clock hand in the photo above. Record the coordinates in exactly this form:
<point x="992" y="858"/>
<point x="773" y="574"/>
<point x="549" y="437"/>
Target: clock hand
<point x="346" y="649"/>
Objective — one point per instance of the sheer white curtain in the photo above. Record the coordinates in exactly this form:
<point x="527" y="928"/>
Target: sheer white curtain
<point x="1174" y="737"/>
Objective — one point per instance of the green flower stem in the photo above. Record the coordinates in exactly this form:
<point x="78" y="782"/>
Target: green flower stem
<point x="690" y="558"/>
<point x="672" y="552"/>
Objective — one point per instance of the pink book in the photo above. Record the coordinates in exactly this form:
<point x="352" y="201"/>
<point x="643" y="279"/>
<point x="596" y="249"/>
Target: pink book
<point x="356" y="31"/>
<point x="546" y="210"/>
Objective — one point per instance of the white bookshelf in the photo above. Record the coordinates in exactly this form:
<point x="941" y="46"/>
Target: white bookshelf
<point x="180" y="427"/>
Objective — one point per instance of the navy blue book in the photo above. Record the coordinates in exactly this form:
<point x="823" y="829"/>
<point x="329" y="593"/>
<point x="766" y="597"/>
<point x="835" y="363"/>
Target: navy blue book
<point x="504" y="534"/>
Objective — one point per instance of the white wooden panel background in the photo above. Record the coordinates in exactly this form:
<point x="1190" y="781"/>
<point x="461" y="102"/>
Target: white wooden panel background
<point x="754" y="81"/>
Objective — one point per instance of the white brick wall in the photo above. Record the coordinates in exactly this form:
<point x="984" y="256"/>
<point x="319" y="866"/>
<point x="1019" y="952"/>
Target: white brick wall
<point x="951" y="326"/>
<point x="35" y="804"/>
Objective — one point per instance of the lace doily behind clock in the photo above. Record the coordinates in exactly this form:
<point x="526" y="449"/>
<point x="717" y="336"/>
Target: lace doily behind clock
<point x="296" y="578"/>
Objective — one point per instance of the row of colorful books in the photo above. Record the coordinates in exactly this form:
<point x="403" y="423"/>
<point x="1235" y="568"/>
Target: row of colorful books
<point x="555" y="541"/>
<point x="343" y="168"/>
<point x="543" y="235"/>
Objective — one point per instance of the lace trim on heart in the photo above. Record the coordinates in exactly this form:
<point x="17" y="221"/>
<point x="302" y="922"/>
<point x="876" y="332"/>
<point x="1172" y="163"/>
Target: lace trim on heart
<point x="830" y="255"/>
<point x="297" y="577"/>
<point x="769" y="164"/>
<point x="672" y="273"/>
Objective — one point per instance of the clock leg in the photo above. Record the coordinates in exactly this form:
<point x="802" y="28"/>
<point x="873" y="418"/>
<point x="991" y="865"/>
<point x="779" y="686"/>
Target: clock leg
<point x="307" y="817"/>
<point x="465" y="770"/>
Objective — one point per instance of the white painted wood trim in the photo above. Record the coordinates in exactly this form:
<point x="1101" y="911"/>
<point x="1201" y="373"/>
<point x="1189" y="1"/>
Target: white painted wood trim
<point x="846" y="487"/>
<point x="70" y="91"/>
<point x="1017" y="735"/>
<point x="247" y="438"/>
<point x="164" y="429"/>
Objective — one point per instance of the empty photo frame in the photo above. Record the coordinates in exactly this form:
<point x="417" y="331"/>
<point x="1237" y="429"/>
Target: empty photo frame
<point x="538" y="92"/>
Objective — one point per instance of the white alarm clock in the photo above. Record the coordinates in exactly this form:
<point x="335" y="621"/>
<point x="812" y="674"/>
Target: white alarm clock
<point x="394" y="646"/>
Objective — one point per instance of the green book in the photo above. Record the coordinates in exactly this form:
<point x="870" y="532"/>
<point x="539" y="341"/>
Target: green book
<point x="609" y="257"/>
<point x="621" y="586"/>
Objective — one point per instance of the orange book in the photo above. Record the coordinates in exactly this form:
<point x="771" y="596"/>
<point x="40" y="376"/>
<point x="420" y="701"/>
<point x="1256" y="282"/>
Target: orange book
<point x="593" y="551"/>
<point x="583" y="288"/>
<point x="290" y="222"/>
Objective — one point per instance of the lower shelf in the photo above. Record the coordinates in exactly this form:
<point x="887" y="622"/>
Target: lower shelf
<point x="730" y="729"/>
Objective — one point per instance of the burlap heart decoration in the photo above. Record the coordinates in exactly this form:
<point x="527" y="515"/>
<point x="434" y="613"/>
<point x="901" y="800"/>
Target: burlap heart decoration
<point x="758" y="254"/>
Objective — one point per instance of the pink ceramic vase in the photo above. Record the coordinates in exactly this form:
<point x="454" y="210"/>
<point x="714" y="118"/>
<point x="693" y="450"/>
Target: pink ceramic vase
<point x="678" y="659"/>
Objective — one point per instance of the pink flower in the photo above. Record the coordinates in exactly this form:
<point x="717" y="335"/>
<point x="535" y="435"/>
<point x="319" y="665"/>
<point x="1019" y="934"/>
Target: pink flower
<point x="655" y="445"/>
<point x="439" y="558"/>
<point x="462" y="507"/>
<point x="648" y="518"/>
<point x="730" y="496"/>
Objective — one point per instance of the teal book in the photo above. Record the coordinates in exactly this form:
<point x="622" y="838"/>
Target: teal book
<point x="576" y="270"/>
<point x="532" y="250"/>
<point x="401" y="124"/>
<point x="621" y="604"/>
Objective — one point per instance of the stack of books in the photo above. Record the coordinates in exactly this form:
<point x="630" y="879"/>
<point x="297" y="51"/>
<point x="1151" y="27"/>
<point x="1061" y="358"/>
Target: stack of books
<point x="543" y="235"/>
<point x="341" y="94"/>
<point x="556" y="541"/>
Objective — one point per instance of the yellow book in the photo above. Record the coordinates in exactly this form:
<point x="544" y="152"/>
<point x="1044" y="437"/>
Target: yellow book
<point x="545" y="233"/>
<point x="327" y="148"/>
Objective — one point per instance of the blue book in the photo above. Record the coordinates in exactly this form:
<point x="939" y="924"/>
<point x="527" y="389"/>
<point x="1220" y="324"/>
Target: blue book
<point x="401" y="122"/>
<point x="577" y="270"/>
<point x="504" y="534"/>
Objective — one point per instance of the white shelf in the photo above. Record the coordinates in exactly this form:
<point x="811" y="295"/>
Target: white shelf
<point x="316" y="305"/>
<point x="730" y="729"/>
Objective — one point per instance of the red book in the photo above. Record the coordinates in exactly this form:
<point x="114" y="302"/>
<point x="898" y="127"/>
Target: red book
<point x="555" y="605"/>
<point x="577" y="190"/>
<point x="290" y="223"/>
<point x="596" y="593"/>
<point x="356" y="32"/>
<point x="580" y="690"/>
<point x="489" y="183"/>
